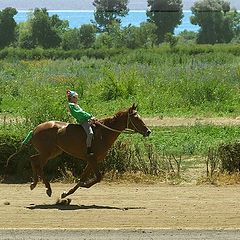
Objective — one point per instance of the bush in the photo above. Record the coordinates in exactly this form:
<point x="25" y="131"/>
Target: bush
<point x="229" y="155"/>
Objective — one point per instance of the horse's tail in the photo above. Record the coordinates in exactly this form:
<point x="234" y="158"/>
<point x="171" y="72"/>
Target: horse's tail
<point x="24" y="143"/>
<point x="27" y="138"/>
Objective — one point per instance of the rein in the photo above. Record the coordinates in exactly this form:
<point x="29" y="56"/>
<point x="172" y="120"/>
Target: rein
<point x="127" y="130"/>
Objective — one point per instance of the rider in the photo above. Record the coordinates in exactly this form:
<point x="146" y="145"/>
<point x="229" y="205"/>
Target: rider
<point x="83" y="118"/>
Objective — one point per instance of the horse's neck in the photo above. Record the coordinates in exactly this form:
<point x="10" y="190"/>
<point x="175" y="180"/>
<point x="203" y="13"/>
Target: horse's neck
<point x="118" y="123"/>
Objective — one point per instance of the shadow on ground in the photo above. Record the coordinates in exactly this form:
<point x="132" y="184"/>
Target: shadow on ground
<point x="79" y="207"/>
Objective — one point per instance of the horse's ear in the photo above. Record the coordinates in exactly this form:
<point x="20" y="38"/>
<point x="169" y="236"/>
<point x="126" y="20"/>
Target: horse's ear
<point x="134" y="106"/>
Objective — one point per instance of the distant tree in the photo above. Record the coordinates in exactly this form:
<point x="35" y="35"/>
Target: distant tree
<point x="142" y="36"/>
<point x="60" y="26"/>
<point x="187" y="37"/>
<point x="87" y="35"/>
<point x="111" y="39"/>
<point x="45" y="29"/>
<point x="147" y="33"/>
<point x="25" y="38"/>
<point x="131" y="37"/>
<point x="171" y="40"/>
<point x="7" y="26"/>
<point x="166" y="14"/>
<point x="215" y="21"/>
<point x="71" y="39"/>
<point x="236" y="23"/>
<point x="109" y="11"/>
<point x="104" y="40"/>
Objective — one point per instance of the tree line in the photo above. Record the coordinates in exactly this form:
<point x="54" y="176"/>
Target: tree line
<point x="217" y="21"/>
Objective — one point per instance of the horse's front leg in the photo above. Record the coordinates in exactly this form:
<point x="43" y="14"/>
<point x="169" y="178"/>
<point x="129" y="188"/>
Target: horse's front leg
<point x="97" y="179"/>
<point x="83" y="178"/>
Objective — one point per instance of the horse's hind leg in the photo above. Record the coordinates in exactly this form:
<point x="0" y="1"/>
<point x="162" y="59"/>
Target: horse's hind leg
<point x="35" y="166"/>
<point x="37" y="162"/>
<point x="43" y="159"/>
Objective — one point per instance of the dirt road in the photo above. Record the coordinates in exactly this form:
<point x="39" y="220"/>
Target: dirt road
<point x="181" y="121"/>
<point x="160" y="121"/>
<point x="132" y="206"/>
<point x="118" y="234"/>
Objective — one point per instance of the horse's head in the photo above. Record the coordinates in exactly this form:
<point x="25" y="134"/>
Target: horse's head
<point x="135" y="123"/>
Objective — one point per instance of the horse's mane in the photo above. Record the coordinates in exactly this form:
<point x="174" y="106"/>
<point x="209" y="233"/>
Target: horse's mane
<point x="110" y="120"/>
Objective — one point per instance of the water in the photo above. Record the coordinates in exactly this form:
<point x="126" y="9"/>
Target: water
<point x="77" y="18"/>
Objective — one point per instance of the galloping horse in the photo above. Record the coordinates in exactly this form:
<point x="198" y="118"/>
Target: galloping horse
<point x="52" y="138"/>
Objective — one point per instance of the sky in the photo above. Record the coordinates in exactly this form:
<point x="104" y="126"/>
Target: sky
<point x="83" y="4"/>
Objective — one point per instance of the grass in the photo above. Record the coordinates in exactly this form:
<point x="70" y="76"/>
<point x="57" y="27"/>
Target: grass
<point x="162" y="83"/>
<point x="192" y="140"/>
<point x="199" y="81"/>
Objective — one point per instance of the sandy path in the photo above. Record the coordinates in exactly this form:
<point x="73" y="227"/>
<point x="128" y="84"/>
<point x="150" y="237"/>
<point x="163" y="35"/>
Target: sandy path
<point x="159" y="121"/>
<point x="119" y="206"/>
<point x="118" y="234"/>
<point x="181" y="121"/>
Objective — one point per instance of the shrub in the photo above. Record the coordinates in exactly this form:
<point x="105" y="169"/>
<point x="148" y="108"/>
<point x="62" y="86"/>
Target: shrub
<point x="229" y="155"/>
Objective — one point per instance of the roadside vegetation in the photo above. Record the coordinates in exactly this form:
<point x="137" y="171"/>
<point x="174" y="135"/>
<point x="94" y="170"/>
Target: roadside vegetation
<point x="198" y="81"/>
<point x="111" y="67"/>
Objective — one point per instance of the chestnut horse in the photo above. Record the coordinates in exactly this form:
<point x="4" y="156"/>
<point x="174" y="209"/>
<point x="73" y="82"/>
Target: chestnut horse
<point x="52" y="138"/>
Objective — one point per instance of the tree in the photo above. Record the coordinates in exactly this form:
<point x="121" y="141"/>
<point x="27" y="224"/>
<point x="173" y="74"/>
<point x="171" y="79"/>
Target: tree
<point x="186" y="37"/>
<point x="215" y="21"/>
<point x="166" y="14"/>
<point x="46" y="30"/>
<point x="71" y="39"/>
<point x="113" y="38"/>
<point x="131" y="37"/>
<point x="25" y="38"/>
<point x="148" y="35"/>
<point x="87" y="35"/>
<point x="108" y="12"/>
<point x="142" y="36"/>
<point x="60" y="26"/>
<point x="171" y="40"/>
<point x="7" y="26"/>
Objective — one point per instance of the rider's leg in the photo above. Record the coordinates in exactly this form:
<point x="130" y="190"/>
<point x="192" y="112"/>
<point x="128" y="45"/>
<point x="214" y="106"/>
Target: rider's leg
<point x="87" y="128"/>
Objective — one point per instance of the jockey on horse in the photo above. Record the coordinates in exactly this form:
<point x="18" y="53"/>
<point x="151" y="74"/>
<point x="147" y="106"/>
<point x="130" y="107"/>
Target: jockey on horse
<point x="83" y="118"/>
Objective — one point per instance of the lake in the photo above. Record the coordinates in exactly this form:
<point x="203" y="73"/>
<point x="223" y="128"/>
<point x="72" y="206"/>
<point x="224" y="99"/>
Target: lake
<point x="77" y="18"/>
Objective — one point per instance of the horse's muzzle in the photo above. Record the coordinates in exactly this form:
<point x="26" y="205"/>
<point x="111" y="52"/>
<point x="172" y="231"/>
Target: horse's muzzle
<point x="147" y="133"/>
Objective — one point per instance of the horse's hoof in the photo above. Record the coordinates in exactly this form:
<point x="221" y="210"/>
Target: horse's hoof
<point x="32" y="186"/>
<point x="82" y="184"/>
<point x="66" y="201"/>
<point x="49" y="192"/>
<point x="64" y="194"/>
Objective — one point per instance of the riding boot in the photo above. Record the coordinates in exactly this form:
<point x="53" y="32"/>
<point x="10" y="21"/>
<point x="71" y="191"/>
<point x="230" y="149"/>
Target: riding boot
<point x="90" y="151"/>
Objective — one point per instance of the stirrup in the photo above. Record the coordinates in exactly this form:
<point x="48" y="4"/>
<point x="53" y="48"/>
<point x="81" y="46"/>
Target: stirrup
<point x="89" y="151"/>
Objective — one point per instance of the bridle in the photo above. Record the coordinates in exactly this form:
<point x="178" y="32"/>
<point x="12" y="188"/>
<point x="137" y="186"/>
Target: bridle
<point x="129" y="120"/>
<point x="127" y="130"/>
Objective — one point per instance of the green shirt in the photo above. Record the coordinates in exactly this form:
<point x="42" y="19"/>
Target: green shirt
<point x="78" y="113"/>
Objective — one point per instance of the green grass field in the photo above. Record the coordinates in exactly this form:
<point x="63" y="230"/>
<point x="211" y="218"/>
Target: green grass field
<point x="162" y="83"/>
<point x="197" y="81"/>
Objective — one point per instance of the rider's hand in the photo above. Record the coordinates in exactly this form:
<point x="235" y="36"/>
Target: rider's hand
<point x="93" y="120"/>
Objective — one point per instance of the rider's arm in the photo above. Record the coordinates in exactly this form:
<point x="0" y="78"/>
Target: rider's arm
<point x="78" y="113"/>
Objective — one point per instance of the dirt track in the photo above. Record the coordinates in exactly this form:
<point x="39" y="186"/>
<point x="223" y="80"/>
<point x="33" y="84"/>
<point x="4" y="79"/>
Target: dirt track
<point x="181" y="121"/>
<point x="118" y="234"/>
<point x="161" y="121"/>
<point x="132" y="206"/>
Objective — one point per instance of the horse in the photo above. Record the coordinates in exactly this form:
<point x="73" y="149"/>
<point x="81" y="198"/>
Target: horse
<point x="52" y="138"/>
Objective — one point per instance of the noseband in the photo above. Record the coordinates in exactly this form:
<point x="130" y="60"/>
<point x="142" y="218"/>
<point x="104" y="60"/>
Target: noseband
<point x="129" y="120"/>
